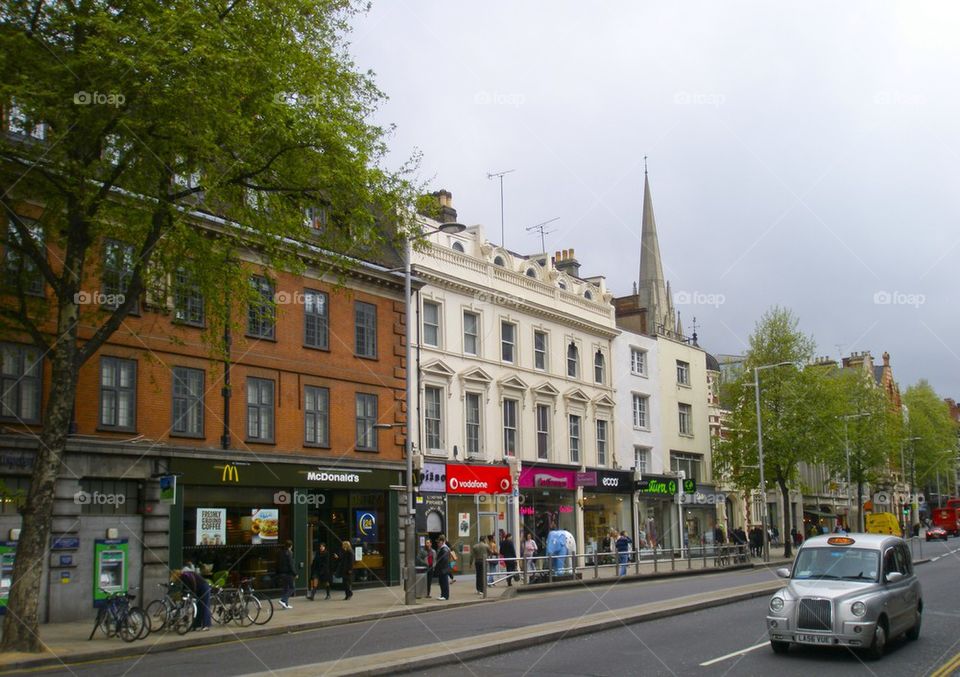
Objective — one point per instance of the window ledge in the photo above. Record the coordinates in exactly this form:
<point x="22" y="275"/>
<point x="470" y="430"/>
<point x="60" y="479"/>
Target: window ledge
<point x="114" y="429"/>
<point x="259" y="441"/>
<point x="191" y="436"/>
<point x="272" y="339"/>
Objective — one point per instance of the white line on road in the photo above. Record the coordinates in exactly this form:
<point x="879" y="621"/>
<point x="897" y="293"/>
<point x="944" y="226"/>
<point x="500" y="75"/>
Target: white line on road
<point x="734" y="654"/>
<point x="934" y="559"/>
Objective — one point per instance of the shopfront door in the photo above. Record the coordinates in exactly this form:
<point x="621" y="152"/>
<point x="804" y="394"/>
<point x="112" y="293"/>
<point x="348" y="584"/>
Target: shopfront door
<point x="489" y="523"/>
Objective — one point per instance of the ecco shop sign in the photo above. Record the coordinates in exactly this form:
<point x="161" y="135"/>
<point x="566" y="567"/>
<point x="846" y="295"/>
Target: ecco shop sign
<point x="478" y="479"/>
<point x="613" y="482"/>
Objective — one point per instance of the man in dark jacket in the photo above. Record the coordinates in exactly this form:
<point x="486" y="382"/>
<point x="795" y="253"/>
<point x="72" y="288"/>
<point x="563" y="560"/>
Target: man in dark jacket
<point x="623" y="544"/>
<point x="286" y="571"/>
<point x="442" y="567"/>
<point x="320" y="572"/>
<point x="508" y="553"/>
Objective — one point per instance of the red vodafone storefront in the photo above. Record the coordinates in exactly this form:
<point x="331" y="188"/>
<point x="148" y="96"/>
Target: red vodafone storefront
<point x="477" y="505"/>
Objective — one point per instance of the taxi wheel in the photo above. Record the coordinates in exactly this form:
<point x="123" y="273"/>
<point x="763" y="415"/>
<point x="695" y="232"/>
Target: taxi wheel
<point x="875" y="651"/>
<point x="913" y="634"/>
<point x="779" y="647"/>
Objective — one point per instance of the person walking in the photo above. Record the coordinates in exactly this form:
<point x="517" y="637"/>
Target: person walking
<point x="508" y="555"/>
<point x="200" y="588"/>
<point x="345" y="568"/>
<point x="480" y="551"/>
<point x="442" y="567"/>
<point x="428" y="556"/>
<point x="495" y="556"/>
<point x="529" y="552"/>
<point x="286" y="571"/>
<point x="623" y="544"/>
<point x="320" y="572"/>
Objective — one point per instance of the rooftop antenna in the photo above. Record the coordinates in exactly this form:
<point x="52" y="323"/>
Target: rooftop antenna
<point x="543" y="231"/>
<point x="839" y="347"/>
<point x="500" y="175"/>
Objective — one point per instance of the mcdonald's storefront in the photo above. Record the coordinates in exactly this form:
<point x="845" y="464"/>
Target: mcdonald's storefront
<point x="231" y="518"/>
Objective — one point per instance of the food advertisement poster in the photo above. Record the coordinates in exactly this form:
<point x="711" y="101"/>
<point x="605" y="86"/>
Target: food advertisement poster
<point x="264" y="525"/>
<point x="211" y="526"/>
<point x="463" y="521"/>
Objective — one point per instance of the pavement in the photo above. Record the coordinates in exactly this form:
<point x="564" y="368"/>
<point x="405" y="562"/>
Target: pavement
<point x="67" y="643"/>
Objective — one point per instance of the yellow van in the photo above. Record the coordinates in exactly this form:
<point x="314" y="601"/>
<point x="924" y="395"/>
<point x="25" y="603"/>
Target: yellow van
<point x="883" y="523"/>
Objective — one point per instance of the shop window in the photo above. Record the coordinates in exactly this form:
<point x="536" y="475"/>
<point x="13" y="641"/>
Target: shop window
<point x="573" y="360"/>
<point x="471" y="333"/>
<point x="574" y="438"/>
<point x="118" y="262"/>
<point x="598" y="368"/>
<point x="118" y="393"/>
<point x="365" y="329"/>
<point x="260" y="410"/>
<point x="508" y="341"/>
<point x="540" y="350"/>
<point x="261" y="311"/>
<point x="433" y="418"/>
<point x="601" y="442"/>
<point x="22" y="271"/>
<point x="685" y="419"/>
<point x="108" y="497"/>
<point x="472" y="411"/>
<point x="683" y="373"/>
<point x="543" y="432"/>
<point x="510" y="408"/>
<point x="316" y="414"/>
<point x="641" y="459"/>
<point x="21" y="378"/>
<point x="638" y="362"/>
<point x="13" y="494"/>
<point x="188" y="401"/>
<point x="688" y="463"/>
<point x="316" y="320"/>
<point x="431" y="324"/>
<point x="641" y="408"/>
<point x="366" y="419"/>
<point x="188" y="303"/>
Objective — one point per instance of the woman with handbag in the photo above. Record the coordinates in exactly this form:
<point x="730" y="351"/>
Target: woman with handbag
<point x="345" y="568"/>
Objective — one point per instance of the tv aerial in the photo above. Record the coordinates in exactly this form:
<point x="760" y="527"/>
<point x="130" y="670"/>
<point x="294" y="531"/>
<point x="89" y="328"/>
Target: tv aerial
<point x="542" y="228"/>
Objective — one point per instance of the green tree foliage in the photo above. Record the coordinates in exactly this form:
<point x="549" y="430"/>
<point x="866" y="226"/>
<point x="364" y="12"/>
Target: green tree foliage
<point x="931" y="435"/>
<point x="129" y="118"/>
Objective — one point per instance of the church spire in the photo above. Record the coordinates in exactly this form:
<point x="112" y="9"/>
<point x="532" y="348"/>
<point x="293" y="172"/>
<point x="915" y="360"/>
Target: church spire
<point x="654" y="292"/>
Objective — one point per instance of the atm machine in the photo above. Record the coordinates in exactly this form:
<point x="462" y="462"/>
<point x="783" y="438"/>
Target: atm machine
<point x="110" y="567"/>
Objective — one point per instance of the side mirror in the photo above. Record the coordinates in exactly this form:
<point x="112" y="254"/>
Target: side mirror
<point x="783" y="572"/>
<point x="894" y="576"/>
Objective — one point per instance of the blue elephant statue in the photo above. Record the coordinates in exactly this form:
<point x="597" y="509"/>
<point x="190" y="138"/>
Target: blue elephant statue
<point x="561" y="546"/>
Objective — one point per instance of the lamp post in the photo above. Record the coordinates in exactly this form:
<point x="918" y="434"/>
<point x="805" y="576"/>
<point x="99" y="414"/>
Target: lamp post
<point x="763" y="482"/>
<point x="846" y="445"/>
<point x="914" y="509"/>
<point x="409" y="558"/>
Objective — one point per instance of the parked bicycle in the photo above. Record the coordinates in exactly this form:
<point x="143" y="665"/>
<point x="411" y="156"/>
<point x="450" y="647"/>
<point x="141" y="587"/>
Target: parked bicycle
<point x="118" y="618"/>
<point x="242" y="605"/>
<point x="266" y="604"/>
<point x="176" y="610"/>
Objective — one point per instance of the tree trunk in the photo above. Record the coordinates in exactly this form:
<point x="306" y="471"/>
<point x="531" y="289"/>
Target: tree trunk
<point x="20" y="624"/>
<point x="787" y="518"/>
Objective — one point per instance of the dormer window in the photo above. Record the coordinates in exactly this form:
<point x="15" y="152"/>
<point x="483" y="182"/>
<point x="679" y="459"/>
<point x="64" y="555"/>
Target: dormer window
<point x="498" y="261"/>
<point x="457" y="247"/>
<point x="588" y="295"/>
<point x="531" y="272"/>
<point x="562" y="284"/>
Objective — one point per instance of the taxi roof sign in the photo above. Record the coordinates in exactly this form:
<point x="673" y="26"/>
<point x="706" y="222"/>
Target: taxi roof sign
<point x="840" y="540"/>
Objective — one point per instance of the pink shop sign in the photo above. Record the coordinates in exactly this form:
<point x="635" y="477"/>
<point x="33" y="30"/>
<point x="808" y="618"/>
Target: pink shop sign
<point x="547" y="478"/>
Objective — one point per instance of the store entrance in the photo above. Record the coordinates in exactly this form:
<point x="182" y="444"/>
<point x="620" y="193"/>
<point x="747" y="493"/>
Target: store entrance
<point x="489" y="523"/>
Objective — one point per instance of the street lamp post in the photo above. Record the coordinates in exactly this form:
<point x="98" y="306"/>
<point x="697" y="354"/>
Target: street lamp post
<point x="846" y="444"/>
<point x="763" y="482"/>
<point x="914" y="509"/>
<point x="410" y="562"/>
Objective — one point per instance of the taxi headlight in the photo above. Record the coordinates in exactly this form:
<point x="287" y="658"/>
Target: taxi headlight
<point x="858" y="609"/>
<point x="776" y="604"/>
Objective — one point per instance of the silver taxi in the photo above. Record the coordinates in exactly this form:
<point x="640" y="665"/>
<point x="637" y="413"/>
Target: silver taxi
<point x="856" y="590"/>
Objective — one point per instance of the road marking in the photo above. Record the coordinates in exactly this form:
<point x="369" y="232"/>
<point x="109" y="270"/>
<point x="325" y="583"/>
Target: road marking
<point x="734" y="654"/>
<point x="947" y="668"/>
<point x="950" y="552"/>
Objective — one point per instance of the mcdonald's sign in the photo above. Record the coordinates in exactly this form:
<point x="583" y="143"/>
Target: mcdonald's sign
<point x="230" y="473"/>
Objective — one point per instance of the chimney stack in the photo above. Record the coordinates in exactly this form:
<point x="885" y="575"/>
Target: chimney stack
<point x="447" y="213"/>
<point x="566" y="262"/>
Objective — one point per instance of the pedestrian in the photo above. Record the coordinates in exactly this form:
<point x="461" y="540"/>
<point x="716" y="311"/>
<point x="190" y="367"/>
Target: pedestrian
<point x="428" y="556"/>
<point x="320" y="572"/>
<point x="345" y="568"/>
<point x="442" y="567"/>
<point x="508" y="555"/>
<point x="286" y="571"/>
<point x="480" y="552"/>
<point x="200" y="588"/>
<point x="623" y="544"/>
<point x="529" y="552"/>
<point x="495" y="557"/>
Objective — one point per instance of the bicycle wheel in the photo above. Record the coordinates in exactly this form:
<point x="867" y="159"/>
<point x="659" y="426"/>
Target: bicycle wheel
<point x="147" y="626"/>
<point x="249" y="611"/>
<point x="157" y="612"/>
<point x="219" y="610"/>
<point x="132" y="624"/>
<point x="109" y="622"/>
<point x="186" y="613"/>
<point x="266" y="608"/>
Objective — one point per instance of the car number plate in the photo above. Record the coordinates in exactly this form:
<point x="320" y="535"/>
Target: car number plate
<point x="813" y="639"/>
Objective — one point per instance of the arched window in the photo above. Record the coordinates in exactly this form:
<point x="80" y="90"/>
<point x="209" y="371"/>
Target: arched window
<point x="531" y="272"/>
<point x="573" y="360"/>
<point x="457" y="247"/>
<point x="587" y="295"/>
<point x="562" y="284"/>
<point x="598" y="370"/>
<point x="499" y="261"/>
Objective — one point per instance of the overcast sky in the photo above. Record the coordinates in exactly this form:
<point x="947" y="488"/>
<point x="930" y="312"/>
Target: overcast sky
<point x="801" y="155"/>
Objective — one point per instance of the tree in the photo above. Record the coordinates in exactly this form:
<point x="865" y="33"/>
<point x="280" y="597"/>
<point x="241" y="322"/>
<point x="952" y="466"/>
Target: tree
<point x="931" y="439"/>
<point x="798" y="412"/>
<point x="130" y="124"/>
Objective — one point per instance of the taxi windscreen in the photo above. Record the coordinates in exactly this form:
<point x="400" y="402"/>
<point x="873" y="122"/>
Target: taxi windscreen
<point x="843" y="564"/>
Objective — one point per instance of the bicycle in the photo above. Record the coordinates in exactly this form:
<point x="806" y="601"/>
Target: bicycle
<point x="265" y="603"/>
<point x="231" y="604"/>
<point x="168" y="611"/>
<point x="118" y="618"/>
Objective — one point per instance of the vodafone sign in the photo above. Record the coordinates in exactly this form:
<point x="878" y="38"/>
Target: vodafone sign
<point x="478" y="479"/>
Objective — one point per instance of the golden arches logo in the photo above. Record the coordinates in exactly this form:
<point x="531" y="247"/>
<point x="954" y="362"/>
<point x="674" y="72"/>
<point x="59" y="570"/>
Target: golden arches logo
<point x="230" y="473"/>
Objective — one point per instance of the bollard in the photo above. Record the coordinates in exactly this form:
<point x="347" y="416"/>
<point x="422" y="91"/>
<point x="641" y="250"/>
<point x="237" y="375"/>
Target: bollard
<point x="483" y="572"/>
<point x="654" y="559"/>
<point x="689" y="558"/>
<point x="596" y="565"/>
<point x="673" y="559"/>
<point x="703" y="551"/>
<point x="637" y="567"/>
